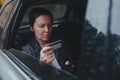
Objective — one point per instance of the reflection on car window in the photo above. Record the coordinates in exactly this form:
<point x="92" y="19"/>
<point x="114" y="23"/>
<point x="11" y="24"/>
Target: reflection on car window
<point x="115" y="33"/>
<point x="4" y="15"/>
<point x="115" y="23"/>
<point x="100" y="46"/>
<point x="97" y="14"/>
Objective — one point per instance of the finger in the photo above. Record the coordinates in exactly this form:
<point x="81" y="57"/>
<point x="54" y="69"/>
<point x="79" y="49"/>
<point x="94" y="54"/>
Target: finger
<point x="50" y="52"/>
<point x="44" y="49"/>
<point x="51" y="58"/>
<point x="47" y="56"/>
<point x="47" y="59"/>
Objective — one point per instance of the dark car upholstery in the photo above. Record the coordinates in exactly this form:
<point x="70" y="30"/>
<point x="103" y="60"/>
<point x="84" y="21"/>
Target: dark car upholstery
<point x="72" y="33"/>
<point x="22" y="37"/>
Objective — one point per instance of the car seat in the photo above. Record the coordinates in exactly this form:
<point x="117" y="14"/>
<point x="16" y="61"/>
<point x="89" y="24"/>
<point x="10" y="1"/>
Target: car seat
<point x="71" y="31"/>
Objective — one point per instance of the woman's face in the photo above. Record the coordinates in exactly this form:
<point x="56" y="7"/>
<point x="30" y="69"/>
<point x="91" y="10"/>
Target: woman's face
<point x="42" y="28"/>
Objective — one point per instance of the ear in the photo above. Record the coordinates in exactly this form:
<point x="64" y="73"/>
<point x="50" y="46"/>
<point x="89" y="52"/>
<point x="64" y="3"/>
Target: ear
<point x="31" y="28"/>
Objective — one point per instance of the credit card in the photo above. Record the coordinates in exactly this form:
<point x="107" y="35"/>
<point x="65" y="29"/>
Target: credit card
<point x="55" y="44"/>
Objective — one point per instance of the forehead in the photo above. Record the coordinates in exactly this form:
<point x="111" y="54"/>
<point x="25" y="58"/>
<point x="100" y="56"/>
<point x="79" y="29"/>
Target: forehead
<point x="43" y="19"/>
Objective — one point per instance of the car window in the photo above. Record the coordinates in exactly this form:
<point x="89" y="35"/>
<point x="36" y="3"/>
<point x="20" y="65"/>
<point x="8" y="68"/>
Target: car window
<point x="5" y="15"/>
<point x="115" y="18"/>
<point x="97" y="14"/>
<point x="96" y="26"/>
<point x="100" y="44"/>
<point x="114" y="31"/>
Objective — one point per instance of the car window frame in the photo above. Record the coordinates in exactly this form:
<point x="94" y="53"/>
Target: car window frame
<point x="3" y="28"/>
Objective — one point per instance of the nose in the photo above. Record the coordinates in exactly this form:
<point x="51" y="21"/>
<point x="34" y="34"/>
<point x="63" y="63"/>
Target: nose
<point x="46" y="29"/>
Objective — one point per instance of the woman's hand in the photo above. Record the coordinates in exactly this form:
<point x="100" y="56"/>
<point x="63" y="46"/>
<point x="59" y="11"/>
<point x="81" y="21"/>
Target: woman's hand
<point x="46" y="54"/>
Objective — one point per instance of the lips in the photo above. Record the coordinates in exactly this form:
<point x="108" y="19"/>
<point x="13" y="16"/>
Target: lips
<point x="46" y="36"/>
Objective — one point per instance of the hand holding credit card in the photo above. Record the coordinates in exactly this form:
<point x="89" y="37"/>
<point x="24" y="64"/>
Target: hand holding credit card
<point x="55" y="44"/>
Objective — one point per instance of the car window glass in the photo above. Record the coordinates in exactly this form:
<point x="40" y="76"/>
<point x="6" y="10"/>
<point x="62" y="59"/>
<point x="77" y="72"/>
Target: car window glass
<point x="4" y="15"/>
<point x="115" y="31"/>
<point x="96" y="54"/>
<point x="96" y="23"/>
<point x="97" y="14"/>
<point x="115" y="19"/>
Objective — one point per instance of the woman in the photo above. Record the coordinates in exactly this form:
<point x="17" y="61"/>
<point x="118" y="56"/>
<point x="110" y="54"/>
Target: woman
<point x="41" y="25"/>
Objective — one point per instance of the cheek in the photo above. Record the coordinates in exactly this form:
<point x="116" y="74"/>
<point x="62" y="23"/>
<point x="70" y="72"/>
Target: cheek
<point x="38" y="32"/>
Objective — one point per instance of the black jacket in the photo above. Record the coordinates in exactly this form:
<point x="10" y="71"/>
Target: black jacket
<point x="62" y="54"/>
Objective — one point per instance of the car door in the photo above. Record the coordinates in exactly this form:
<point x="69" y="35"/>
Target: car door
<point x="13" y="69"/>
<point x="17" y="66"/>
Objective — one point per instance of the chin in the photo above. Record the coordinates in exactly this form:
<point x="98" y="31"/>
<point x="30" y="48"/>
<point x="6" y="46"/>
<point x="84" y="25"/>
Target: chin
<point x="45" y="39"/>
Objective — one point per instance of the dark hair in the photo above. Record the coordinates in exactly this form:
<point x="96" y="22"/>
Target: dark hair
<point x="35" y="12"/>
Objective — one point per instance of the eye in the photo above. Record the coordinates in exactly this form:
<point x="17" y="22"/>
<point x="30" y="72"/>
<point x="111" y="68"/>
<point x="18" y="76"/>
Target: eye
<point x="41" y="26"/>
